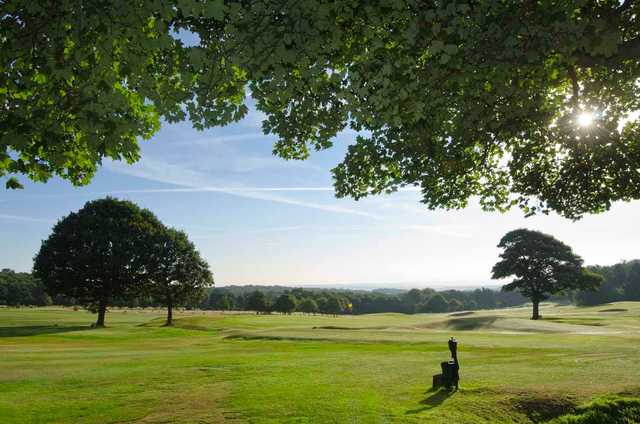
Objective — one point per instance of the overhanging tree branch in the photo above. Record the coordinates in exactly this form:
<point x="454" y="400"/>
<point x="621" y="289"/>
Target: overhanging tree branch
<point x="628" y="50"/>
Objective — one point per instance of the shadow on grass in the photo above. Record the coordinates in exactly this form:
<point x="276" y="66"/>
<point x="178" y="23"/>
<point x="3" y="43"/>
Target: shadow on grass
<point x="435" y="399"/>
<point x="594" y="322"/>
<point x="335" y="327"/>
<point x="542" y="409"/>
<point x="36" y="330"/>
<point x="470" y="323"/>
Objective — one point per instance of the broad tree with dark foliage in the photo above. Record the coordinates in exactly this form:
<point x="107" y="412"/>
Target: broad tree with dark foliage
<point x="99" y="254"/>
<point x="179" y="275"/>
<point x="541" y="265"/>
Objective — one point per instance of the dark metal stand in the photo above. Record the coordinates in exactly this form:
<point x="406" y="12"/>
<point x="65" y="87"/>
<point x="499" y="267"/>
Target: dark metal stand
<point x="450" y="370"/>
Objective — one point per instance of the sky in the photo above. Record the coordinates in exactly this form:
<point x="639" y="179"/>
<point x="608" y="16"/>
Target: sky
<point x="258" y="219"/>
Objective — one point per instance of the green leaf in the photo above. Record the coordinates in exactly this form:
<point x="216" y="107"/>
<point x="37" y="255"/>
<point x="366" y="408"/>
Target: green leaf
<point x="437" y="46"/>
<point x="215" y="9"/>
<point x="13" y="184"/>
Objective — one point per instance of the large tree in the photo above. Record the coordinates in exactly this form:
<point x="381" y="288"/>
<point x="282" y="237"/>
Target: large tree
<point x="99" y="254"/>
<point x="514" y="102"/>
<point x="541" y="265"/>
<point x="178" y="272"/>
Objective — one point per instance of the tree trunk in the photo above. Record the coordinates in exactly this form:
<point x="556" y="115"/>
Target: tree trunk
<point x="536" y="309"/>
<point x="102" y="310"/>
<point x="169" y="313"/>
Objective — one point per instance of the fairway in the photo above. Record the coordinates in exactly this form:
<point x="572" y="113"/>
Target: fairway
<point x="213" y="367"/>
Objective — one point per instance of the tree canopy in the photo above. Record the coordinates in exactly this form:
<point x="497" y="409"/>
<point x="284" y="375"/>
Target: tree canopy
<point x="541" y="265"/>
<point x="82" y="81"/>
<point x="99" y="254"/>
<point x="178" y="273"/>
<point x="516" y="103"/>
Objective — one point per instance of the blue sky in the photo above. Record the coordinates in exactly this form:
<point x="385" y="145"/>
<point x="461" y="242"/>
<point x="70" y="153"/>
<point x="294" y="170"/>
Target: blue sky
<point x="260" y="219"/>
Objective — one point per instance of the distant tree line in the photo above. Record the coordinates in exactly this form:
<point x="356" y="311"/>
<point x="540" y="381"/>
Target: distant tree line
<point x="331" y="301"/>
<point x="621" y="282"/>
<point x="22" y="288"/>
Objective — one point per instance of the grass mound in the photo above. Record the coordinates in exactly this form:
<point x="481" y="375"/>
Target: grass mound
<point x="615" y="410"/>
<point x="199" y="323"/>
<point x="591" y="321"/>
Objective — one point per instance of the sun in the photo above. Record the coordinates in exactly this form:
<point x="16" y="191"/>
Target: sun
<point x="585" y="119"/>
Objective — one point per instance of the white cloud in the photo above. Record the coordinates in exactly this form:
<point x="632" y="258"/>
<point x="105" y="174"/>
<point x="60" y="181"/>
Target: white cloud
<point x="195" y="181"/>
<point x="257" y="163"/>
<point x="214" y="140"/>
<point x="221" y="190"/>
<point x="26" y="218"/>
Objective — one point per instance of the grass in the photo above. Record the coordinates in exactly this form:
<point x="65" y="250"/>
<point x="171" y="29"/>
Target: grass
<point x="609" y="410"/>
<point x="213" y="367"/>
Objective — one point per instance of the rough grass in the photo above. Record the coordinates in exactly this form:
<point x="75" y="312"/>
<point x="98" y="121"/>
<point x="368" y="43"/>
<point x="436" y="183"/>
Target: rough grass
<point x="214" y="367"/>
<point x="614" y="410"/>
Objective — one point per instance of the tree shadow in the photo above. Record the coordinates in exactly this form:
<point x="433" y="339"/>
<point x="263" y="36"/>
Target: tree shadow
<point x="541" y="409"/>
<point x="435" y="399"/>
<point x="36" y="330"/>
<point x="470" y="323"/>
